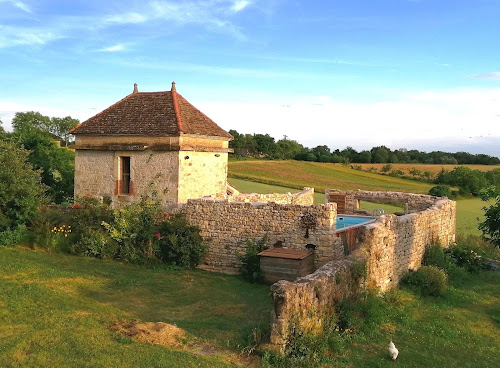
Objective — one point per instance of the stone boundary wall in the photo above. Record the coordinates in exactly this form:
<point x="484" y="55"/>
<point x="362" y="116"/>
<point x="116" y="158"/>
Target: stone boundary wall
<point x="388" y="248"/>
<point x="304" y="198"/>
<point x="226" y="226"/>
<point x="413" y="202"/>
<point x="396" y="244"/>
<point x="311" y="299"/>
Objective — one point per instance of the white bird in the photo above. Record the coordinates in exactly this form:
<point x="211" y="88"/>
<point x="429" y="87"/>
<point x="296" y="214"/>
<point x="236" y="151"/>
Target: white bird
<point x="393" y="352"/>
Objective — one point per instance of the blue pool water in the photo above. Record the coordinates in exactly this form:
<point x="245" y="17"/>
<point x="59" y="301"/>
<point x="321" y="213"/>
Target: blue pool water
<point x="346" y="221"/>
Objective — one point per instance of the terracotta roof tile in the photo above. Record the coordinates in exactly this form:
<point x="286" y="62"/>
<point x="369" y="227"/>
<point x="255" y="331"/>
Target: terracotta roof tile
<point x="151" y="113"/>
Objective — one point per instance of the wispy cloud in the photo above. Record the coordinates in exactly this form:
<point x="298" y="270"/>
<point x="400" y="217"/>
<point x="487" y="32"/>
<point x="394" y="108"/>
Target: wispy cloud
<point x="18" y="4"/>
<point x="15" y="36"/>
<point x="126" y="18"/>
<point x="239" y="5"/>
<point x="115" y="48"/>
<point x="488" y="76"/>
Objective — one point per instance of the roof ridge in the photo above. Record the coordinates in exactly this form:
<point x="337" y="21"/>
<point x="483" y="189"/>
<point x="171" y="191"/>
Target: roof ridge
<point x="176" y="110"/>
<point x="100" y="113"/>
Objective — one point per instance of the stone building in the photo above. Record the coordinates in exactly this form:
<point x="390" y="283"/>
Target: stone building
<point x="151" y="138"/>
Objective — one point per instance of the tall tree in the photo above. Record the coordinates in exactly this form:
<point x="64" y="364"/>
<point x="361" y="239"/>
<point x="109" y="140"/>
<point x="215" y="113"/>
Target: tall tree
<point x="21" y="191"/>
<point x="60" y="127"/>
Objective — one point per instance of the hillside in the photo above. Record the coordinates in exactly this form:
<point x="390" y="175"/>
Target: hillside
<point x="424" y="167"/>
<point x="321" y="176"/>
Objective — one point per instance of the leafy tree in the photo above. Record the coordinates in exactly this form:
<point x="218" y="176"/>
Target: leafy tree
<point x="56" y="164"/>
<point x="29" y="122"/>
<point x="380" y="154"/>
<point x="322" y="153"/>
<point x="491" y="224"/>
<point x="61" y="126"/>
<point x="21" y="191"/>
<point x="288" y="149"/>
<point x="265" y="145"/>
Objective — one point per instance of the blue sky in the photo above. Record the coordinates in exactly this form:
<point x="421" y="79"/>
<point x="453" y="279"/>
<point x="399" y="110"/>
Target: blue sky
<point x="405" y="73"/>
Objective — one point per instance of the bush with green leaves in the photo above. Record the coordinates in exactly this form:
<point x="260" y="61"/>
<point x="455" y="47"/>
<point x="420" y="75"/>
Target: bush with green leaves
<point x="179" y="243"/>
<point x="133" y="228"/>
<point x="491" y="224"/>
<point x="96" y="243"/>
<point x="52" y="230"/>
<point x="427" y="280"/>
<point x="21" y="190"/>
<point x="466" y="257"/>
<point x="434" y="255"/>
<point x="18" y="235"/>
<point x="441" y="190"/>
<point x="250" y="261"/>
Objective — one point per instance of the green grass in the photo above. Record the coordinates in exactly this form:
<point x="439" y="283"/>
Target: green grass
<point x="299" y="174"/>
<point x="458" y="330"/>
<point x="56" y="311"/>
<point x="468" y="212"/>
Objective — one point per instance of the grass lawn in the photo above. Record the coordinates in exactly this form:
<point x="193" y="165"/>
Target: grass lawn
<point x="299" y="174"/>
<point x="56" y="311"/>
<point x="460" y="329"/>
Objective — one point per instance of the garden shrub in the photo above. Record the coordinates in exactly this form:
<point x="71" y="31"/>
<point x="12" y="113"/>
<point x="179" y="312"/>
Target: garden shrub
<point x="52" y="230"/>
<point x="179" y="243"/>
<point x="87" y="216"/>
<point x="441" y="190"/>
<point x="466" y="257"/>
<point x="133" y="229"/>
<point x="250" y="261"/>
<point x="96" y="243"/>
<point x="427" y="280"/>
<point x="18" y="235"/>
<point x="434" y="255"/>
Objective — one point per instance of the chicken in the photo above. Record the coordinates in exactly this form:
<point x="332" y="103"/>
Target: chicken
<point x="393" y="352"/>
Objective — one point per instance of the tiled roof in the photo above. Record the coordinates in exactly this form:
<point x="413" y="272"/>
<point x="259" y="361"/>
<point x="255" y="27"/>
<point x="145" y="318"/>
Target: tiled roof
<point x="151" y="113"/>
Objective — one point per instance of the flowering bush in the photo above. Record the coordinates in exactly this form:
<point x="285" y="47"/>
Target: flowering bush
<point x="466" y="257"/>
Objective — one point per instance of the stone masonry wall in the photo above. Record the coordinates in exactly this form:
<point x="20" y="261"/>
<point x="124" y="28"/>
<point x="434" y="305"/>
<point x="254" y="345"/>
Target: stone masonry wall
<point x="202" y="174"/>
<point x="97" y="172"/>
<point x="396" y="244"/>
<point x="389" y="248"/>
<point x="228" y="225"/>
<point x="304" y="198"/>
<point x="414" y="202"/>
<point x="311" y="299"/>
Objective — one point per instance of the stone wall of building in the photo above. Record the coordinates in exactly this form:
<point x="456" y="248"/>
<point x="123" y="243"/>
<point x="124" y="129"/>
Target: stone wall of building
<point x="202" y="174"/>
<point x="413" y="202"/>
<point x="228" y="225"/>
<point x="304" y="198"/>
<point x="97" y="173"/>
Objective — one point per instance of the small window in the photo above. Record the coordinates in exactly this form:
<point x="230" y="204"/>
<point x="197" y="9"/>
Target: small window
<point x="125" y="175"/>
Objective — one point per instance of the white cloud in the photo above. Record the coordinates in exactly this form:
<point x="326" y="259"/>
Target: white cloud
<point x="18" y="4"/>
<point x="239" y="5"/>
<point x="115" y="48"/>
<point x="13" y="36"/>
<point x="488" y="76"/>
<point x="126" y="18"/>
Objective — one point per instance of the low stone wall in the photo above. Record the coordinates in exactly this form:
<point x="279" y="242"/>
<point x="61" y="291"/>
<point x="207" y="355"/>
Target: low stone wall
<point x="396" y="244"/>
<point x="311" y="299"/>
<point x="304" y="198"/>
<point x="228" y="225"/>
<point x="413" y="202"/>
<point x="388" y="247"/>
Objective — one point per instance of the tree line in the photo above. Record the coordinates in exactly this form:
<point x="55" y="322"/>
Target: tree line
<point x="265" y="146"/>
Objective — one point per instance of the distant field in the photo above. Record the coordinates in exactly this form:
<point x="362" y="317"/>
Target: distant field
<point x="320" y="176"/>
<point x="423" y="167"/>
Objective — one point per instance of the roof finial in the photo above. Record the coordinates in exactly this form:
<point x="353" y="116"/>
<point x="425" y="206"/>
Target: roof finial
<point x="173" y="87"/>
<point x="135" y="88"/>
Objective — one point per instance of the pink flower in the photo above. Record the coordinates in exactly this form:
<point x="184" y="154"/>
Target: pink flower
<point x="158" y="235"/>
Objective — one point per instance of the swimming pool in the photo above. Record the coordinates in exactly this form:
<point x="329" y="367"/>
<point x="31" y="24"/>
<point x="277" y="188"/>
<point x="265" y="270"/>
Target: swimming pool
<point x="348" y="221"/>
